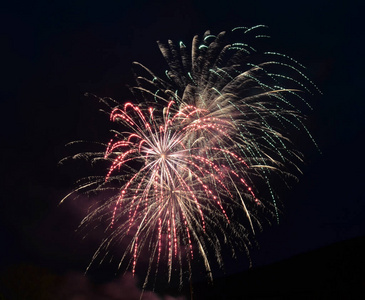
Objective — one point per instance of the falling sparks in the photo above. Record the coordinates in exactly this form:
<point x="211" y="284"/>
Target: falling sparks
<point x="199" y="153"/>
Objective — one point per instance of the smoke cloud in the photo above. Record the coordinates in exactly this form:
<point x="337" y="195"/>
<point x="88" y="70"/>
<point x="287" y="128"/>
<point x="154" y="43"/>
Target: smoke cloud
<point x="78" y="287"/>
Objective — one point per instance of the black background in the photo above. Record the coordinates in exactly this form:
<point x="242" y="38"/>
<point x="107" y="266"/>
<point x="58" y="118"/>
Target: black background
<point x="52" y="52"/>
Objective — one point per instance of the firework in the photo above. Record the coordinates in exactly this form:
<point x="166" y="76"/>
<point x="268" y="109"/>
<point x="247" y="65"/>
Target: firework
<point x="193" y="164"/>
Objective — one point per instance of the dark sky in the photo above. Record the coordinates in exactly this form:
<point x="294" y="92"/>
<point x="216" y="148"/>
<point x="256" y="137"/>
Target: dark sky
<point x="55" y="51"/>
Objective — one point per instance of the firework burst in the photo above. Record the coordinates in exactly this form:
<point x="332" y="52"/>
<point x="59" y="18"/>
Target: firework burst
<point x="197" y="156"/>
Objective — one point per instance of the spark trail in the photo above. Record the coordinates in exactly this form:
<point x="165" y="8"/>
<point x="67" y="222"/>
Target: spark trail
<point x="195" y="163"/>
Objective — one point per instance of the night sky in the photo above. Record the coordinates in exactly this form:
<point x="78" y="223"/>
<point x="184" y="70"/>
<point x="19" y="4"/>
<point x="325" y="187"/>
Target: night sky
<point x="52" y="52"/>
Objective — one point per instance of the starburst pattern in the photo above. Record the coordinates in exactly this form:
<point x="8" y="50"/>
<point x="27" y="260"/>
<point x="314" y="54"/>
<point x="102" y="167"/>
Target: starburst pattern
<point x="192" y="168"/>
